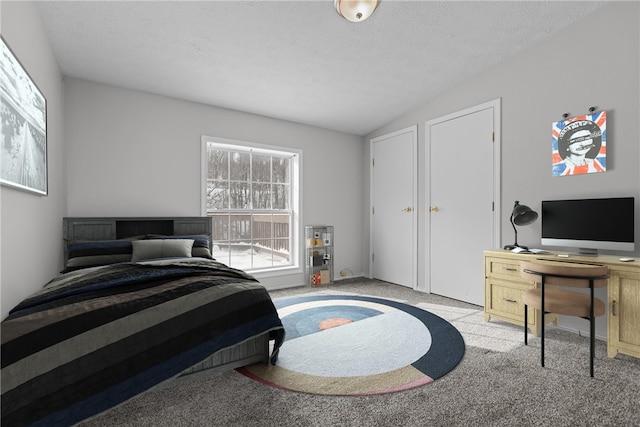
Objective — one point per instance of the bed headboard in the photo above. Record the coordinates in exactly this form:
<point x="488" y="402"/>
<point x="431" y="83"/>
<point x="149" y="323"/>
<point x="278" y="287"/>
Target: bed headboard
<point x="111" y="228"/>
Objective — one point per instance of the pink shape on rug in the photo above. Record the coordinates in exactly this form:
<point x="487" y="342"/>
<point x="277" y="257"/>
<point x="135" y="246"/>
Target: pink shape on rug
<point x="244" y="371"/>
<point x="333" y="322"/>
<point x="417" y="383"/>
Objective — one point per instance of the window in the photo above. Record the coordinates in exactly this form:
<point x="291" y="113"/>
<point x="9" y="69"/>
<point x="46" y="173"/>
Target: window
<point x="250" y="191"/>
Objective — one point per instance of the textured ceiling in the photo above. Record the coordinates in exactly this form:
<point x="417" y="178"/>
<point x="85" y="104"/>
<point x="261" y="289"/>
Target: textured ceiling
<point x="297" y="60"/>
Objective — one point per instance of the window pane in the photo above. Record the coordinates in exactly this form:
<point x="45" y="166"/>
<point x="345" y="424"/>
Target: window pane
<point x="220" y="225"/>
<point x="261" y="260"/>
<point x="218" y="164"/>
<point x="217" y="195"/>
<point x="281" y="225"/>
<point x="239" y="166"/>
<point x="281" y="196"/>
<point x="240" y="193"/>
<point x="261" y="168"/>
<point x="240" y="259"/>
<point x="281" y="166"/>
<point x="241" y="254"/>
<point x="240" y="228"/>
<point x="220" y="236"/>
<point x="281" y="250"/>
<point x="262" y="227"/>
<point x="261" y="196"/>
<point x="221" y="253"/>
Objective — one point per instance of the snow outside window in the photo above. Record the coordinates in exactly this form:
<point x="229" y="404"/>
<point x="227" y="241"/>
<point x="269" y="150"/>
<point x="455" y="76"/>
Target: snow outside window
<point x="250" y="195"/>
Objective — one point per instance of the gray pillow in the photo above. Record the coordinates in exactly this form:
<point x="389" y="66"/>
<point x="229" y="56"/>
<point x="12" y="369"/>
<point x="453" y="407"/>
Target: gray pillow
<point x="201" y="243"/>
<point x="161" y="248"/>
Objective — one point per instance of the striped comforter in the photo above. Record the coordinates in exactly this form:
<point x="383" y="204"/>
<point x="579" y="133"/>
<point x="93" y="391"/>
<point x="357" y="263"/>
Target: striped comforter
<point x="93" y="338"/>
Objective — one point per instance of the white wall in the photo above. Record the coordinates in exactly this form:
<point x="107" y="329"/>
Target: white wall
<point x="30" y="224"/>
<point x="594" y="62"/>
<point x="135" y="154"/>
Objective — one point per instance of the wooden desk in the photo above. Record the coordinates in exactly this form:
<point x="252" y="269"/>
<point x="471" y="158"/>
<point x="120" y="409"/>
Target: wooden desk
<point x="503" y="288"/>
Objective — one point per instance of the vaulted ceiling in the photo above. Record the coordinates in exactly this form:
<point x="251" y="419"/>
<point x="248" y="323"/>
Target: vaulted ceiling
<point x="297" y="60"/>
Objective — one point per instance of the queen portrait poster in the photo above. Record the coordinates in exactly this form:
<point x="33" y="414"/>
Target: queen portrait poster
<point x="579" y="145"/>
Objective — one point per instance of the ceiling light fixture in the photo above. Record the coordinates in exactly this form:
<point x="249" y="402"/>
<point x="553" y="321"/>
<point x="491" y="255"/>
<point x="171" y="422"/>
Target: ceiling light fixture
<point x="355" y="10"/>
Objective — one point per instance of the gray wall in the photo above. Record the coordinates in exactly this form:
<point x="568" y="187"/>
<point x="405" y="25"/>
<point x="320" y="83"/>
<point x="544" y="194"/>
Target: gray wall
<point x="132" y="153"/>
<point x="30" y="224"/>
<point x="594" y="62"/>
<point x="123" y="152"/>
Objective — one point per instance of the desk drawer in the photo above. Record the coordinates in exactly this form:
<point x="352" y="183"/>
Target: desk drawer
<point x="502" y="267"/>
<point x="505" y="299"/>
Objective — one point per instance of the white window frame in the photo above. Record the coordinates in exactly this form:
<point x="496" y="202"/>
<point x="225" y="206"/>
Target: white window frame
<point x="296" y="196"/>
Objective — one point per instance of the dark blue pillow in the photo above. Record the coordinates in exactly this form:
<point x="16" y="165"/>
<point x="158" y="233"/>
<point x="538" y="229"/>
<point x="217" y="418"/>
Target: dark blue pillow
<point x="84" y="254"/>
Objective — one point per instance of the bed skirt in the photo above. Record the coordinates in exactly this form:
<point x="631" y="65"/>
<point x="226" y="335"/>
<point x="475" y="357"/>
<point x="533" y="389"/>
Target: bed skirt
<point x="253" y="350"/>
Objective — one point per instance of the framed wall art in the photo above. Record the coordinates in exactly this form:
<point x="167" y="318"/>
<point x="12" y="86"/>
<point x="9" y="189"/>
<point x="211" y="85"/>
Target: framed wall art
<point x="23" y="142"/>
<point x="579" y="145"/>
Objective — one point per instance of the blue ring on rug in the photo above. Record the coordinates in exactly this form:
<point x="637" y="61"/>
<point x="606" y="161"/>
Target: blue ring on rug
<point x="307" y="321"/>
<point x="447" y="347"/>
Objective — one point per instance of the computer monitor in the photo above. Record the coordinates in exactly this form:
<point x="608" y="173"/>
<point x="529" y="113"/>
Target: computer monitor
<point x="589" y="224"/>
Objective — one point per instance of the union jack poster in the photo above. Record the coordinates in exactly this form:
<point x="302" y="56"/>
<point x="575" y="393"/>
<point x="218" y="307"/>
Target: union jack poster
<point x="580" y="145"/>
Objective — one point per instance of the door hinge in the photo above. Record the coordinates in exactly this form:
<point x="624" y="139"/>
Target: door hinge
<point x="373" y="256"/>
<point x="493" y="206"/>
<point x="373" y="162"/>
<point x="373" y="211"/>
<point x="493" y="137"/>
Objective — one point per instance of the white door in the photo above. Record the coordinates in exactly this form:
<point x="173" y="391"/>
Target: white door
<point x="393" y="214"/>
<point x="461" y="196"/>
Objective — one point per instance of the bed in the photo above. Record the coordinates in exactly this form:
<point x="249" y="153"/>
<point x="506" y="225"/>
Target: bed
<point x="140" y="302"/>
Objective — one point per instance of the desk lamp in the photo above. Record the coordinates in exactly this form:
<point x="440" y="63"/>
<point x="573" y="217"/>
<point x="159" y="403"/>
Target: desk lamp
<point x="521" y="215"/>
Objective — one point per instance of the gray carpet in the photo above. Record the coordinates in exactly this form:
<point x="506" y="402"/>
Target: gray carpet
<point x="498" y="383"/>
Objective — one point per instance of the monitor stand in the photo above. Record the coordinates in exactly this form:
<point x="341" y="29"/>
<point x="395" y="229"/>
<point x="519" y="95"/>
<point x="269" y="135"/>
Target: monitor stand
<point x="587" y="252"/>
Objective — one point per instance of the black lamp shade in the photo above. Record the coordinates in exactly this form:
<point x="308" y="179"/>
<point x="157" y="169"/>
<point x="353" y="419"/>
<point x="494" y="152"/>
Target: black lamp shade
<point x="523" y="215"/>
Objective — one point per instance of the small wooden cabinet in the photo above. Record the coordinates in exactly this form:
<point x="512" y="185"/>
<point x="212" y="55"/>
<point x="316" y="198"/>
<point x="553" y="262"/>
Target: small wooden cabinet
<point x="503" y="288"/>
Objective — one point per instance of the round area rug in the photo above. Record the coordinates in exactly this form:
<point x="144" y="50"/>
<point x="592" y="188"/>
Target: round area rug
<point x="357" y="345"/>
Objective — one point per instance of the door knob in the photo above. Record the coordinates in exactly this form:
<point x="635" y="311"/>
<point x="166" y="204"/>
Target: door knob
<point x="434" y="209"/>
<point x="407" y="209"/>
